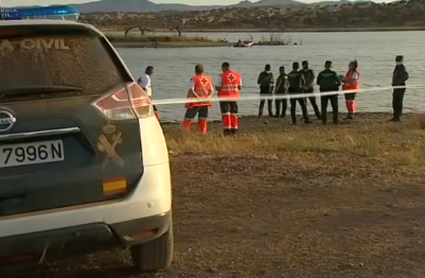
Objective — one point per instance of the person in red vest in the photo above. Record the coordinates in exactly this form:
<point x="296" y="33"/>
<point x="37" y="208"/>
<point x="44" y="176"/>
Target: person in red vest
<point x="201" y="87"/>
<point x="228" y="87"/>
<point x="351" y="82"/>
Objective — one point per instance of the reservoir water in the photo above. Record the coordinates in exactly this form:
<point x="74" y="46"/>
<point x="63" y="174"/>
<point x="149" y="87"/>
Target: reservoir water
<point x="375" y="52"/>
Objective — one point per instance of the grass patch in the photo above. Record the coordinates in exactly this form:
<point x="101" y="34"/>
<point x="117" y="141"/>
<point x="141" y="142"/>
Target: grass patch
<point x="399" y="145"/>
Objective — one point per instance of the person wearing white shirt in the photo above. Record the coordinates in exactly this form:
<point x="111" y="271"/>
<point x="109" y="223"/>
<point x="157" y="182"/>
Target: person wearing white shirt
<point x="146" y="83"/>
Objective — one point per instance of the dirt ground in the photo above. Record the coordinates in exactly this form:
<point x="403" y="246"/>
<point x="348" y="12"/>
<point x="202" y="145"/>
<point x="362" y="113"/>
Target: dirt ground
<point x="310" y="214"/>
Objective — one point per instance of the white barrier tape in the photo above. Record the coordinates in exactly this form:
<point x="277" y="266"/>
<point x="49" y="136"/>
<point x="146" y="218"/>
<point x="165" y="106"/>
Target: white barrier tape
<point x="243" y="97"/>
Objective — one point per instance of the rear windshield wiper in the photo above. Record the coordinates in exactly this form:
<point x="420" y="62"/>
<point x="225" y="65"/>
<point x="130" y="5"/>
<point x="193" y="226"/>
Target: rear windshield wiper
<point x="29" y="90"/>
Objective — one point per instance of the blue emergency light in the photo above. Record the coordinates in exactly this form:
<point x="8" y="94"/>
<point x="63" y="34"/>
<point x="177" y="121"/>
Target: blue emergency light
<point x="63" y="12"/>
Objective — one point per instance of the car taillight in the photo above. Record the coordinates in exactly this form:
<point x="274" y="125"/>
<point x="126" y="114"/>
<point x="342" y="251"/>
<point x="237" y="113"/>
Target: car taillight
<point x="129" y="102"/>
<point x="9" y="32"/>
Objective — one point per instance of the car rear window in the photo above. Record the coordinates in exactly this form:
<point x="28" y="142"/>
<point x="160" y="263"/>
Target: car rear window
<point x="66" y="60"/>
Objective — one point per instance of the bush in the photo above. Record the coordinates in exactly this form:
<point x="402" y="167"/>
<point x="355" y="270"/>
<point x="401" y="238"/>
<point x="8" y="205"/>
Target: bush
<point x="274" y="39"/>
<point x="159" y="38"/>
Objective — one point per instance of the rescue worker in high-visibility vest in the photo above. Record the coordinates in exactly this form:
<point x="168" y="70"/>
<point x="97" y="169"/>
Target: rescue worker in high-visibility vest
<point x="296" y="83"/>
<point x="400" y="76"/>
<point x="201" y="88"/>
<point x="228" y="87"/>
<point x="328" y="81"/>
<point x="351" y="82"/>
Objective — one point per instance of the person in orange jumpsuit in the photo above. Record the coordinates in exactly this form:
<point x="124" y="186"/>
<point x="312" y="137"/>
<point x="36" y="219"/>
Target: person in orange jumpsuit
<point x="351" y="82"/>
<point x="201" y="88"/>
<point x="228" y="87"/>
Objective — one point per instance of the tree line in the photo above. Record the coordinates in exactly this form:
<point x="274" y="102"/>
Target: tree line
<point x="347" y="15"/>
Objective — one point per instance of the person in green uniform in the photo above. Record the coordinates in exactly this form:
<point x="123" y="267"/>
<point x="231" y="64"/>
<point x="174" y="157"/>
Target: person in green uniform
<point x="309" y="87"/>
<point x="280" y="90"/>
<point x="328" y="81"/>
<point x="400" y="76"/>
<point x="296" y="83"/>
<point x="266" y="81"/>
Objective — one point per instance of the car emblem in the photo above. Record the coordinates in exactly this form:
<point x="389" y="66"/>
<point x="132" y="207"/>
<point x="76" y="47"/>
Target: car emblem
<point x="7" y="120"/>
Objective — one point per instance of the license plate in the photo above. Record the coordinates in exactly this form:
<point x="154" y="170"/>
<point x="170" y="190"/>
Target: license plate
<point x="31" y="153"/>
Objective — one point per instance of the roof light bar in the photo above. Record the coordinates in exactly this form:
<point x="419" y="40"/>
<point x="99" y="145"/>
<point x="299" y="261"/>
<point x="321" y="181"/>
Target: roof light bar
<point x="63" y="12"/>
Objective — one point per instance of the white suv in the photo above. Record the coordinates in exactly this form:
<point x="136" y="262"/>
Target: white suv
<point x="83" y="161"/>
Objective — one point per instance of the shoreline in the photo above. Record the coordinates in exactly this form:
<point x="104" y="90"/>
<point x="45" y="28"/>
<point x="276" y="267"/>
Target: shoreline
<point x="178" y="44"/>
<point x="308" y="30"/>
<point x="293" y="30"/>
<point x="134" y="42"/>
<point x="287" y="121"/>
<point x="184" y="44"/>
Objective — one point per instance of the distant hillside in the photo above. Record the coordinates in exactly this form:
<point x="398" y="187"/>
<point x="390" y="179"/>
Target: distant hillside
<point x="148" y="6"/>
<point x="117" y="6"/>
<point x="344" y="15"/>
<point x="144" y="6"/>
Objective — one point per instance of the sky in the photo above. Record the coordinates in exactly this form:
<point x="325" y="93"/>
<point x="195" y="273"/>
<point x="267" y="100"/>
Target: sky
<point x="191" y="2"/>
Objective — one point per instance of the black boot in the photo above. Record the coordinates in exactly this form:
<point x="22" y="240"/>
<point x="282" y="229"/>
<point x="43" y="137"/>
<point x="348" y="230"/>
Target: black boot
<point x="261" y="109"/>
<point x="227" y="132"/>
<point x="294" y="119"/>
<point x="349" y="116"/>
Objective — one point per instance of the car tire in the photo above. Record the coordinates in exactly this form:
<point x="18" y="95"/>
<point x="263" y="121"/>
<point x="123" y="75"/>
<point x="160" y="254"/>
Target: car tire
<point x="155" y="254"/>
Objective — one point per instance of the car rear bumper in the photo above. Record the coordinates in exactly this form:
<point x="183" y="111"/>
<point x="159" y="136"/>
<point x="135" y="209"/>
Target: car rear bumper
<point x="84" y="239"/>
<point x="151" y="197"/>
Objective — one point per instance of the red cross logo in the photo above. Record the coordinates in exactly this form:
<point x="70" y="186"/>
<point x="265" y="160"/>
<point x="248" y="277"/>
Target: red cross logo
<point x="231" y="77"/>
<point x="204" y="81"/>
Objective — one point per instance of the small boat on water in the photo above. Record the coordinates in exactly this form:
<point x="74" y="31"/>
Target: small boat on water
<point x="244" y="44"/>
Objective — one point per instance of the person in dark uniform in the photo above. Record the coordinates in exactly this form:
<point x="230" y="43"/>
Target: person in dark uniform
<point x="328" y="81"/>
<point x="265" y="81"/>
<point x="400" y="76"/>
<point x="309" y="87"/>
<point x="296" y="83"/>
<point x="280" y="90"/>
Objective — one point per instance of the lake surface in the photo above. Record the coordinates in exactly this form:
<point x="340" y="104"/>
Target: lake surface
<point x="375" y="52"/>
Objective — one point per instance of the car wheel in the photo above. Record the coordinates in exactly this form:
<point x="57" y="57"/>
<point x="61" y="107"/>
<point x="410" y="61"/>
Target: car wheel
<point x="155" y="254"/>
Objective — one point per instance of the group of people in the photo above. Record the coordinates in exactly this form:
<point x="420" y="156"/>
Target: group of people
<point x="298" y="81"/>
<point x="301" y="81"/>
<point x="201" y="89"/>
